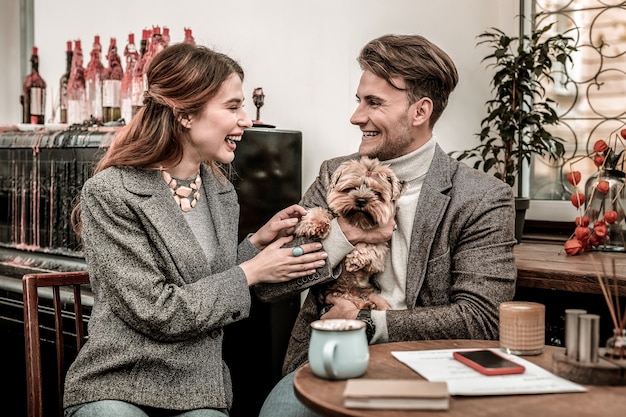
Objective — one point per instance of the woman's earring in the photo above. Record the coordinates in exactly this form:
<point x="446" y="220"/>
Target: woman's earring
<point x="185" y="121"/>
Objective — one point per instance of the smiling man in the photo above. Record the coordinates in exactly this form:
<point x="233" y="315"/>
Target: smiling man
<point x="451" y="257"/>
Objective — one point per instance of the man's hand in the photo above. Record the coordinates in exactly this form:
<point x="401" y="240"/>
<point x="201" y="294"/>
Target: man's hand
<point x="376" y="235"/>
<point x="341" y="309"/>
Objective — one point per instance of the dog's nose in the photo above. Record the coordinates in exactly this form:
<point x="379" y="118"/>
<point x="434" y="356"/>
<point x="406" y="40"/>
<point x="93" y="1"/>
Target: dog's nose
<point x="361" y="202"/>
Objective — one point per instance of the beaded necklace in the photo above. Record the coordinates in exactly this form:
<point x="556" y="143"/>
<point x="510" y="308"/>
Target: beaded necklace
<point x="186" y="196"/>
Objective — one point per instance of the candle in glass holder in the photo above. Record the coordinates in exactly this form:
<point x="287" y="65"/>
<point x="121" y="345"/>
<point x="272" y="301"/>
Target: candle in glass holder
<point x="522" y="327"/>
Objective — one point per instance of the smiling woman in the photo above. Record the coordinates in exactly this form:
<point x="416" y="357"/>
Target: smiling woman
<point x="159" y="224"/>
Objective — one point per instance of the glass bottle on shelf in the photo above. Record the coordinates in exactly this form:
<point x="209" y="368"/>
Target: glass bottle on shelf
<point x="154" y="46"/>
<point x="112" y="85"/>
<point x="189" y="37"/>
<point x="138" y="86"/>
<point x="76" y="94"/>
<point x="63" y="83"/>
<point x="165" y="36"/>
<point x="93" y="80"/>
<point x="132" y="56"/>
<point x="157" y="40"/>
<point x="34" y="93"/>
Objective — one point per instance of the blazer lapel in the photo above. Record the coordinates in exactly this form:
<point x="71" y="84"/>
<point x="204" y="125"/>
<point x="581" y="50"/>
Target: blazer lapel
<point x="431" y="207"/>
<point x="224" y="214"/>
<point x="166" y="217"/>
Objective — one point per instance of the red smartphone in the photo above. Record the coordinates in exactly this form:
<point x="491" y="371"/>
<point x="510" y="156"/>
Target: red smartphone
<point x="488" y="362"/>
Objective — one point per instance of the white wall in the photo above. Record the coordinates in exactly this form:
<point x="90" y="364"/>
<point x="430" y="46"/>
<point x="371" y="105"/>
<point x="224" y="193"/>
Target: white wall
<point x="303" y="53"/>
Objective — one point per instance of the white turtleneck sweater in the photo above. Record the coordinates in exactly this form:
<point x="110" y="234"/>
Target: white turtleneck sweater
<point x="412" y="169"/>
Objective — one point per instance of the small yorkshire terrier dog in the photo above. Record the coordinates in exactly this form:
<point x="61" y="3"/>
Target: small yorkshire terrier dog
<point x="365" y="193"/>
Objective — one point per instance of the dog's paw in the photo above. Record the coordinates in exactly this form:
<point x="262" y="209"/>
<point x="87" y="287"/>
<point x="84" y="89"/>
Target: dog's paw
<point x="315" y="224"/>
<point x="355" y="261"/>
<point x="366" y="257"/>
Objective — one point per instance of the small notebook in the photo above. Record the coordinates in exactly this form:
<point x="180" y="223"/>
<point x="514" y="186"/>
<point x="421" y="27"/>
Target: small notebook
<point x="400" y="394"/>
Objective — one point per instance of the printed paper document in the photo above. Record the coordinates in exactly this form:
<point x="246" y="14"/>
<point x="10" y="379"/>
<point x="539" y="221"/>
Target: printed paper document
<point x="439" y="365"/>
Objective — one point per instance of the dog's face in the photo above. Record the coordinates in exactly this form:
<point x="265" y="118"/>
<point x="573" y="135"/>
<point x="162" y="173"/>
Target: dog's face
<point x="364" y="192"/>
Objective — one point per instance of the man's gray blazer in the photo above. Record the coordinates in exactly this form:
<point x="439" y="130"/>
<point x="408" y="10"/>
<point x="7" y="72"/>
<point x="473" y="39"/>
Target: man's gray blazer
<point x="461" y="263"/>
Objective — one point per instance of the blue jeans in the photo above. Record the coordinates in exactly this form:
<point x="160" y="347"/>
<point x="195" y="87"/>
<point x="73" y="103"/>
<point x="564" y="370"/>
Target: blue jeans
<point x="282" y="401"/>
<point x="114" y="408"/>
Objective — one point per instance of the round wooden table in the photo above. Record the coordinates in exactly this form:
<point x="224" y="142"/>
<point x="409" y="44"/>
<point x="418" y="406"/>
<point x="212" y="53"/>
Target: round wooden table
<point x="325" y="396"/>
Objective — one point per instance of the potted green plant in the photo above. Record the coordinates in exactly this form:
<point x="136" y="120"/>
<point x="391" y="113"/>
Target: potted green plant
<point x="519" y="111"/>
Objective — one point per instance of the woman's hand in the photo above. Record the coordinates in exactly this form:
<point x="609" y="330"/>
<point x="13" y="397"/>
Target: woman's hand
<point x="281" y="224"/>
<point x="277" y="264"/>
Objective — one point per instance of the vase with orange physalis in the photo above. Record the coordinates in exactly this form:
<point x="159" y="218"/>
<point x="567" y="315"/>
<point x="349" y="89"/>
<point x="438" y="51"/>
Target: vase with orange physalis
<point x="600" y="224"/>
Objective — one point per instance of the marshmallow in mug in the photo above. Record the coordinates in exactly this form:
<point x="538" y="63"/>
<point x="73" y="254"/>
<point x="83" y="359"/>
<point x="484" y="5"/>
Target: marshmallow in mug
<point x="337" y="325"/>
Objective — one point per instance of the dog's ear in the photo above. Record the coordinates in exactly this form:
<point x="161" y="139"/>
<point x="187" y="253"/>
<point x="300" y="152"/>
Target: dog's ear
<point x="334" y="179"/>
<point x="397" y="187"/>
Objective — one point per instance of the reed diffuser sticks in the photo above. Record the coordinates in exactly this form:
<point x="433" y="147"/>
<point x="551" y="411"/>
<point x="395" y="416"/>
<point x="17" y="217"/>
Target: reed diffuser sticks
<point x="611" y="296"/>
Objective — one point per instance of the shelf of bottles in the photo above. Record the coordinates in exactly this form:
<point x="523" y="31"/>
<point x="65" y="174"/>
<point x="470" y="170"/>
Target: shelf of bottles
<point x="96" y="94"/>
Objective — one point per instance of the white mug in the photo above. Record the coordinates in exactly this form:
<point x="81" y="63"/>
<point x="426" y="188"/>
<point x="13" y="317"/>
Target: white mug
<point x="338" y="348"/>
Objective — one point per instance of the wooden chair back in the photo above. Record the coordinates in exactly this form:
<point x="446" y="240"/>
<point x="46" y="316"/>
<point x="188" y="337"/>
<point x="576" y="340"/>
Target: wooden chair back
<point x="56" y="281"/>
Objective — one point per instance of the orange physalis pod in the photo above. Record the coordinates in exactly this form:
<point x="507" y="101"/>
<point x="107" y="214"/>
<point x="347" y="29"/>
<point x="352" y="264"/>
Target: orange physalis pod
<point x="582" y="233"/>
<point x="600" y="146"/>
<point x="598" y="160"/>
<point x="610" y="216"/>
<point x="577" y="199"/>
<point x="582" y="221"/>
<point x="574" y="177"/>
<point x="573" y="247"/>
<point x="595" y="240"/>
<point x="600" y="229"/>
<point x="603" y="186"/>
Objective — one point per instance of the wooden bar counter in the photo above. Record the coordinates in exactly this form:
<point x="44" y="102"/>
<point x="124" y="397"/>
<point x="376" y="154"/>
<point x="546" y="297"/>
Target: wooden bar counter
<point x="546" y="266"/>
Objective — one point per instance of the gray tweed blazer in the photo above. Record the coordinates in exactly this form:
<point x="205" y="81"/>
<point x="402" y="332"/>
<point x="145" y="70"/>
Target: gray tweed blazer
<point x="461" y="263"/>
<point x="155" y="333"/>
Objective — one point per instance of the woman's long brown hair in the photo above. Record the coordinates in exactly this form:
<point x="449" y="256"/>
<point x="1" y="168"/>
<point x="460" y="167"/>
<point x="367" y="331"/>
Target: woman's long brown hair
<point x="182" y="78"/>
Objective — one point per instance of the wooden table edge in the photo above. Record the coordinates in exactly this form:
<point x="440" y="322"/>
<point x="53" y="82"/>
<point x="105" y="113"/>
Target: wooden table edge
<point x="330" y="409"/>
